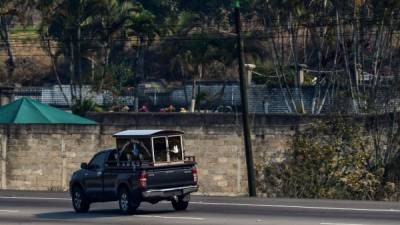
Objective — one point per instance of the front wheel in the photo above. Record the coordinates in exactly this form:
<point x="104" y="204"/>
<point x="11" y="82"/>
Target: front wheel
<point x="79" y="201"/>
<point x="181" y="203"/>
<point x="127" y="203"/>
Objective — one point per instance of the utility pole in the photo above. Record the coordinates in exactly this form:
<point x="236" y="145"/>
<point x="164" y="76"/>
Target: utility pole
<point x="245" y="109"/>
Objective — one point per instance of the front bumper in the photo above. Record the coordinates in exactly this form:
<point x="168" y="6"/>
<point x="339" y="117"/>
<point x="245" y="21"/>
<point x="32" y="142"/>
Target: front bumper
<point x="169" y="192"/>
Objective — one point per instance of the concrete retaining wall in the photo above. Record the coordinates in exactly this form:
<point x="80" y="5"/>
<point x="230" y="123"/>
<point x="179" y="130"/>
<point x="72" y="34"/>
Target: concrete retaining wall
<point x="43" y="157"/>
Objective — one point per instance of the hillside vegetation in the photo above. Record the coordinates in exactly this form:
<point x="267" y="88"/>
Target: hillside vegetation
<point x="348" y="45"/>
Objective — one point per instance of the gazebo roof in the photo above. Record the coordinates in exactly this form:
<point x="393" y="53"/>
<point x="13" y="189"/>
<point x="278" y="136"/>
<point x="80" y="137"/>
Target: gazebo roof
<point x="28" y="111"/>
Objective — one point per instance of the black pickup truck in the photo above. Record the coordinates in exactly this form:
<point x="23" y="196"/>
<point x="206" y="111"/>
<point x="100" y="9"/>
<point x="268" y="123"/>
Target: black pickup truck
<point x="146" y="166"/>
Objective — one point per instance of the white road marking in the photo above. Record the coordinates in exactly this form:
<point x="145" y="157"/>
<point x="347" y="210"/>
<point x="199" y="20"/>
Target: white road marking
<point x="8" y="211"/>
<point x="342" y="224"/>
<point x="239" y="204"/>
<point x="34" y="198"/>
<point x="297" y="207"/>
<point x="170" y="217"/>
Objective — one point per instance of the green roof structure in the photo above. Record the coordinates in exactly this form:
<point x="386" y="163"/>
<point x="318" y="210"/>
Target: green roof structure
<point x="28" y="111"/>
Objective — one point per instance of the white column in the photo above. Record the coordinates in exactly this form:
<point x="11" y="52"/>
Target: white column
<point x="238" y="171"/>
<point x="64" y="165"/>
<point x="3" y="158"/>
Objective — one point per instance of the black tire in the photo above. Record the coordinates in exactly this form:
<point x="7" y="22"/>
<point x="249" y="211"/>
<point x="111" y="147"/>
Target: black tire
<point x="180" y="204"/>
<point x="128" y="202"/>
<point x="79" y="200"/>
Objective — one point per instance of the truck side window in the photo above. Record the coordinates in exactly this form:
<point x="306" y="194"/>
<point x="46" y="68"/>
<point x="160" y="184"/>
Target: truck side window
<point x="112" y="159"/>
<point x="175" y="148"/>
<point x="160" y="149"/>
<point x="98" y="161"/>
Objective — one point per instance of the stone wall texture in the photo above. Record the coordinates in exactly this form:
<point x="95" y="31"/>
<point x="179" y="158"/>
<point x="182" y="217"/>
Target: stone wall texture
<point x="43" y="157"/>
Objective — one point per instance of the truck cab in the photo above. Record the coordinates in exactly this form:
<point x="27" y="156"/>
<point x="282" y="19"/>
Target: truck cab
<point x="145" y="166"/>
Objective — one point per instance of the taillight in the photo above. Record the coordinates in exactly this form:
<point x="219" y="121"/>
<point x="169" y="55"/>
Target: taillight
<point x="143" y="179"/>
<point x="194" y="173"/>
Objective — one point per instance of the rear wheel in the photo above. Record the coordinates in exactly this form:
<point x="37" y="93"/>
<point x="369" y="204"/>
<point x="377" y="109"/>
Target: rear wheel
<point x="127" y="202"/>
<point x="79" y="201"/>
<point x="181" y="202"/>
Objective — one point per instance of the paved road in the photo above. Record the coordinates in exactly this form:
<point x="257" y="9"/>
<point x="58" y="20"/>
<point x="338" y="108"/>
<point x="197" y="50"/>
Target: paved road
<point x="55" y="208"/>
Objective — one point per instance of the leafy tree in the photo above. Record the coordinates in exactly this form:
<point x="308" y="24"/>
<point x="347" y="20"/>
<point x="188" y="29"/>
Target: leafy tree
<point x="92" y="29"/>
<point x="201" y="49"/>
<point x="118" y="22"/>
<point x="11" y="11"/>
<point x="70" y="23"/>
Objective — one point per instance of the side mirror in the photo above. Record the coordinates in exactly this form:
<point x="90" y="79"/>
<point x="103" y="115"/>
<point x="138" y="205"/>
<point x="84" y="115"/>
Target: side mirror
<point x="84" y="166"/>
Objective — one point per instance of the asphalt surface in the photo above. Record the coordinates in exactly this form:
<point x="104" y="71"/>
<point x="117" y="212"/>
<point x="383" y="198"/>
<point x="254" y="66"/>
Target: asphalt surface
<point x="55" y="208"/>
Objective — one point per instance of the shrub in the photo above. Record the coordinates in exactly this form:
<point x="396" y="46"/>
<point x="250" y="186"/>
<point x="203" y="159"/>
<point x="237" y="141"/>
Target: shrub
<point x="328" y="160"/>
<point x="81" y="107"/>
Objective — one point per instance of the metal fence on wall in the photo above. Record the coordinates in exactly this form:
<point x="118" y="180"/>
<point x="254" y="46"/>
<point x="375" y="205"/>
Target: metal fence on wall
<point x="216" y="97"/>
<point x="62" y="98"/>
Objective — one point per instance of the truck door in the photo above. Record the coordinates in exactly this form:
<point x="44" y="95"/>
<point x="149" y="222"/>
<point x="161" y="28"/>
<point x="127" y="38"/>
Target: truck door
<point x="94" y="176"/>
<point x="110" y="175"/>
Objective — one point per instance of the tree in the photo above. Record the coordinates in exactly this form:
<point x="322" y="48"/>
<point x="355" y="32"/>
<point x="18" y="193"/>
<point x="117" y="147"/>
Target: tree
<point x="92" y="29"/>
<point x="70" y="24"/>
<point x="200" y="48"/>
<point x="11" y="11"/>
<point x="119" y="21"/>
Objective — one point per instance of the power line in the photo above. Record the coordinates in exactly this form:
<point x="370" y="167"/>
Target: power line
<point x="350" y="17"/>
<point x="165" y="40"/>
<point x="327" y="21"/>
<point x="224" y="34"/>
